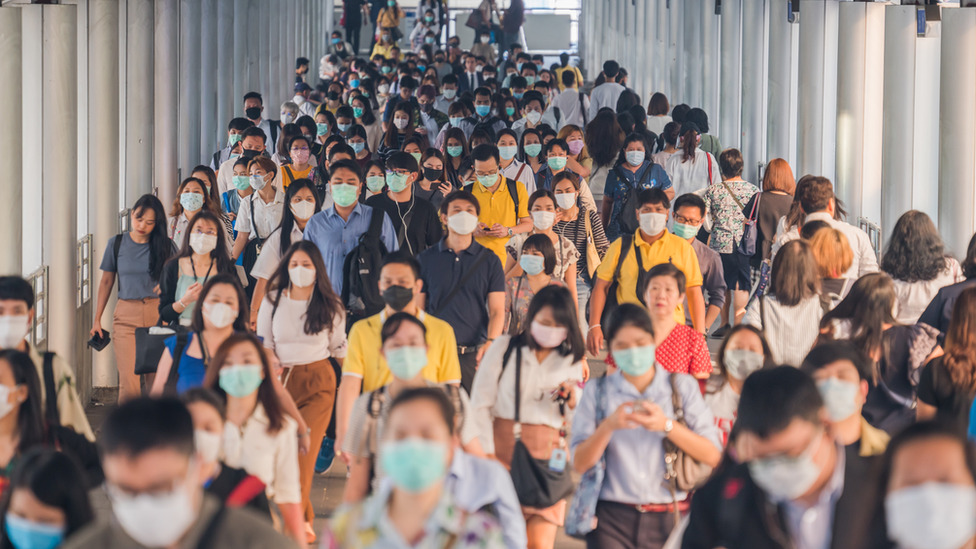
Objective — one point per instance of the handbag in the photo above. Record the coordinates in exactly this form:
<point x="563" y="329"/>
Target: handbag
<point x="536" y="483"/>
<point x="682" y="471"/>
<point x="475" y="19"/>
<point x="750" y="230"/>
<point x="150" y="344"/>
<point x="593" y="258"/>
<point x="581" y="515"/>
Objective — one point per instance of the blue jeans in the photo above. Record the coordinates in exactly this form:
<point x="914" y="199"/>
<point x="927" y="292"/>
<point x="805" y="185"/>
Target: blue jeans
<point x="583" y="289"/>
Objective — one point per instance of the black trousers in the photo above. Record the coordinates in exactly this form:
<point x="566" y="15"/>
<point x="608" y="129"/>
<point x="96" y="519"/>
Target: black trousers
<point x="621" y="526"/>
<point x="469" y="365"/>
<point x="352" y="36"/>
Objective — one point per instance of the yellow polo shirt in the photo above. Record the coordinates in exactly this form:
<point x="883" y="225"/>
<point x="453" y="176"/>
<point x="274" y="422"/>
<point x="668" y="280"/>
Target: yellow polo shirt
<point x="668" y="248"/>
<point x="498" y="207"/>
<point x="364" y="360"/>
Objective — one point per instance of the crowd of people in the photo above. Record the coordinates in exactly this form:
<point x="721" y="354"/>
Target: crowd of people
<point x="414" y="269"/>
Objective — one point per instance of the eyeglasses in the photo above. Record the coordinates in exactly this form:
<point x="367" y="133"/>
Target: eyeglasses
<point x="398" y="172"/>
<point x="686" y="220"/>
<point x="299" y="149"/>
<point x="486" y="174"/>
<point x="208" y="232"/>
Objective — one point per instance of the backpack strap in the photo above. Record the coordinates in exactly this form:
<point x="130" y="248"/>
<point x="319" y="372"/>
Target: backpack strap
<point x="254" y="225"/>
<point x="517" y="176"/>
<point x="626" y="242"/>
<point x="273" y="125"/>
<point x="513" y="192"/>
<point x="288" y="174"/>
<point x="216" y="160"/>
<point x="375" y="225"/>
<point x="51" y="415"/>
<point x="247" y="490"/>
<point x="582" y="108"/>
<point x="708" y="157"/>
<point x="182" y="339"/>
<point x="210" y="534"/>
<point x="116" y="247"/>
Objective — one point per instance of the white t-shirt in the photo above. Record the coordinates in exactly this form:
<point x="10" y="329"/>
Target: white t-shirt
<point x="271" y="253"/>
<point x="692" y="176"/>
<point x="285" y="333"/>
<point x="272" y="457"/>
<point x="724" y="404"/>
<point x="266" y="216"/>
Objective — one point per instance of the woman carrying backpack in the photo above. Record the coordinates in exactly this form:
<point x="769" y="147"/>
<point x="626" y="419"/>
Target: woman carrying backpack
<point x="633" y="173"/>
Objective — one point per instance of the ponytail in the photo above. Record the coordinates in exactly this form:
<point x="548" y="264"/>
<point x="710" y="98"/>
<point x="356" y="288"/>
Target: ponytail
<point x="689" y="145"/>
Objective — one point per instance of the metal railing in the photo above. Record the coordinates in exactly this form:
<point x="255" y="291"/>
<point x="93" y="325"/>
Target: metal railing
<point x="39" y="282"/>
<point x="84" y="269"/>
<point x="874" y="233"/>
<point x="124" y="220"/>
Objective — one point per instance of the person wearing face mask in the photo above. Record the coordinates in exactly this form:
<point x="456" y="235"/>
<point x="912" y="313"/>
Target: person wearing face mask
<point x="401" y="129"/>
<point x="536" y="265"/>
<point x="545" y="357"/>
<point x="302" y="203"/>
<point x="416" y="453"/>
<point x="425" y="24"/>
<point x="289" y="113"/>
<point x="482" y="119"/>
<point x="253" y="111"/>
<point x="790" y="484"/>
<point x="743" y="351"/>
<point x="623" y="421"/>
<point x="557" y="161"/>
<point x="470" y="80"/>
<point x="16" y="318"/>
<point x="431" y="119"/>
<point x="578" y="160"/>
<point x="689" y="214"/>
<point x="252" y="146"/>
<point x="305" y="106"/>
<point x="449" y="91"/>
<point x="633" y="173"/>
<point x="153" y="480"/>
<point x="45" y="502"/>
<point x="192" y="198"/>
<point x="692" y="169"/>
<point x="235" y="487"/>
<point x="503" y="202"/>
<point x="302" y="321"/>
<point x="632" y="255"/>
<point x="414" y="220"/>
<point x="375" y="172"/>
<point x="530" y="148"/>
<point x="843" y="375"/>
<point x="333" y="98"/>
<point x="542" y="210"/>
<point x="463" y="283"/>
<point x="511" y="167"/>
<point x="433" y="186"/>
<point x="260" y="213"/>
<point x="234" y="130"/>
<point x="231" y="200"/>
<point x="533" y="106"/>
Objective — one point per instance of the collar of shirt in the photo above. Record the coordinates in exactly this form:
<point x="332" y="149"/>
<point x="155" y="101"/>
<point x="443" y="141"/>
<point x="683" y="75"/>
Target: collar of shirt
<point x="819" y="216"/>
<point x="421" y="315"/>
<point x="357" y="210"/>
<point x="811" y="527"/>
<point x="473" y="249"/>
<point x="374" y="516"/>
<point x="664" y="240"/>
<point x="658" y="391"/>
<point x="279" y="198"/>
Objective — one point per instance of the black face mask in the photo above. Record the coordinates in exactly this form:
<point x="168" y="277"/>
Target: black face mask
<point x="439" y="60"/>
<point x="398" y="297"/>
<point x="252" y="113"/>
<point x="248" y="154"/>
<point x="333" y="96"/>
<point x="430" y="174"/>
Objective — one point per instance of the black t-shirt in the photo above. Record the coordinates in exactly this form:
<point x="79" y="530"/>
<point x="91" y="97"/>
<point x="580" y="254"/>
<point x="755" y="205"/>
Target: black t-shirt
<point x="228" y="480"/>
<point x="423" y="227"/>
<point x="772" y="206"/>
<point x="952" y="402"/>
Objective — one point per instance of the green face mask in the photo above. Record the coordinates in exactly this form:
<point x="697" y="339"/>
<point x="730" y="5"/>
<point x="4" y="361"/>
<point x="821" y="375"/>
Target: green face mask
<point x="345" y="195"/>
<point x="416" y="156"/>
<point x="321" y="129"/>
<point x="396" y="181"/>
<point x="556" y="162"/>
<point x="488" y="181"/>
<point x="375" y="183"/>
<point x="234" y="139"/>
<point x="455" y="150"/>
<point x="357" y="112"/>
<point x="685" y="231"/>
<point x="242" y="182"/>
<point x="533" y="149"/>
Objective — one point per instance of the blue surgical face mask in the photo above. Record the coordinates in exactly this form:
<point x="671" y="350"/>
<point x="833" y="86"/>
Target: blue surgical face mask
<point x="27" y="534"/>
<point x="406" y="362"/>
<point x="482" y="110"/>
<point x="635" y="158"/>
<point x="343" y="127"/>
<point x="240" y="380"/>
<point x="242" y="182"/>
<point x="233" y="139"/>
<point x="455" y="121"/>
<point x="321" y="129"/>
<point x="532" y="264"/>
<point x="455" y="150"/>
<point x="533" y="149"/>
<point x="357" y="146"/>
<point x="336" y="40"/>
<point x="191" y="201"/>
<point x="507" y="152"/>
<point x="487" y="181"/>
<point x="375" y="183"/>
<point x="682" y="230"/>
<point x="635" y="361"/>
<point x="414" y="464"/>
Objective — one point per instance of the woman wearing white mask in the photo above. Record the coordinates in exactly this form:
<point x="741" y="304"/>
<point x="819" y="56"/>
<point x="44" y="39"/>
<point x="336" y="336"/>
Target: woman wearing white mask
<point x="302" y="203"/>
<point x="202" y="255"/>
<point x="222" y="311"/>
<point x="258" y="436"/>
<point x="930" y="489"/>
<point x="743" y="351"/>
<point x="235" y="487"/>
<point x="537" y="262"/>
<point x="303" y="322"/>
<point x="624" y="419"/>
<point x="192" y="197"/>
<point x="529" y="383"/>
<point x="542" y="210"/>
<point x="404" y="341"/>
<point x="633" y="173"/>
<point x="260" y="212"/>
<point x="557" y="158"/>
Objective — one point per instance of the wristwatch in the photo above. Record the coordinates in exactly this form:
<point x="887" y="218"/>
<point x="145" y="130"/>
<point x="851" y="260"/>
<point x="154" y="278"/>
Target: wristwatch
<point x="668" y="426"/>
<point x="511" y="232"/>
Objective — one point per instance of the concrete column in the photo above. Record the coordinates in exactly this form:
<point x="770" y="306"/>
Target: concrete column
<point x="730" y="98"/>
<point x="227" y="62"/>
<point x="139" y="102"/>
<point x="213" y="132"/>
<point x="166" y="99"/>
<point x="817" y="119"/>
<point x="51" y="51"/>
<point x="753" y="140"/>
<point x="11" y="144"/>
<point x="189" y="86"/>
<point x="330" y="23"/>
<point x="266" y="33"/>
<point x="911" y="116"/>
<point x="103" y="147"/>
<point x="957" y="176"/>
<point x="661" y="71"/>
<point x="691" y="36"/>
<point x="638" y="76"/>
<point x="286" y="80"/>
<point x="711" y="70"/>
<point x="783" y="51"/>
<point x="242" y="55"/>
<point x="675" y="58"/>
<point x="860" y="81"/>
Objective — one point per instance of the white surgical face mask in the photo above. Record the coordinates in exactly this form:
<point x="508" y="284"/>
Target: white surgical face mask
<point x="207" y="445"/>
<point x="5" y="405"/>
<point x="933" y="515"/>
<point x="258" y="182"/>
<point x="463" y="223"/>
<point x="840" y="397"/>
<point x="542" y="221"/>
<point x="533" y="117"/>
<point x="155" y="520"/>
<point x="203" y="243"/>
<point x="739" y="363"/>
<point x="786" y="478"/>
<point x="303" y="210"/>
<point x="301" y="277"/>
<point x="566" y="201"/>
<point x="13" y="330"/>
<point x="221" y="315"/>
<point x="401" y="123"/>
<point x="653" y="223"/>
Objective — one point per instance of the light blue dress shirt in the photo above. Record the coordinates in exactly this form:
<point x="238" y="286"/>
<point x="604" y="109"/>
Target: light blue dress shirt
<point x="335" y="237"/>
<point x="635" y="457"/>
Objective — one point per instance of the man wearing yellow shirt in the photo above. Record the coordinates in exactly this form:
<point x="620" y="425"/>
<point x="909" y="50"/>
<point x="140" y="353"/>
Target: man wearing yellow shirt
<point x="501" y="217"/>
<point x="655" y="245"/>
<point x="365" y="369"/>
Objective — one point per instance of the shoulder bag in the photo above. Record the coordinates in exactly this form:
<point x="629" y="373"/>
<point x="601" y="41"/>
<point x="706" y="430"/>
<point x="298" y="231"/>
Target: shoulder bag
<point x="593" y="258"/>
<point x="750" y="229"/>
<point x="682" y="471"/>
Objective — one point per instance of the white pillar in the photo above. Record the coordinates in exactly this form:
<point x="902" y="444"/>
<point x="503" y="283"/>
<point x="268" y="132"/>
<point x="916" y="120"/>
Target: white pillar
<point x="212" y="129"/>
<point x="753" y="140"/>
<point x="189" y="122"/>
<point x="784" y="41"/>
<point x="661" y="71"/>
<point x="711" y="70"/>
<point x="691" y="35"/>
<point x="730" y="108"/>
<point x="860" y="82"/>
<point x="675" y="58"/>
<point x="166" y="99"/>
<point x="103" y="148"/>
<point x="911" y="117"/>
<point x="957" y="161"/>
<point x="227" y="94"/>
<point x="243" y="54"/>
<point x="139" y="107"/>
<point x="266" y="33"/>
<point x="50" y="49"/>
<point x="817" y="120"/>
<point x="639" y="76"/>
<point x="329" y="24"/>
<point x="11" y="144"/>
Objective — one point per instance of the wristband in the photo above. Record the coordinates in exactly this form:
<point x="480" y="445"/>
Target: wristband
<point x="591" y="328"/>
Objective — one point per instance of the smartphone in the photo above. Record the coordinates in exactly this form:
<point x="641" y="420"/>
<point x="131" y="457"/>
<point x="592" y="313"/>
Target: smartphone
<point x="639" y="407"/>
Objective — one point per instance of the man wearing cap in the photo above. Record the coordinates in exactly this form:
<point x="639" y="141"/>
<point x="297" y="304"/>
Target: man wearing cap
<point x="305" y="107"/>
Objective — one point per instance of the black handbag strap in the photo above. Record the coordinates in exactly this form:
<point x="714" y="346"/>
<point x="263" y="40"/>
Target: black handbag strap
<point x="116" y="247"/>
<point x="182" y="338"/>
<point x="482" y="257"/>
<point x="51" y="414"/>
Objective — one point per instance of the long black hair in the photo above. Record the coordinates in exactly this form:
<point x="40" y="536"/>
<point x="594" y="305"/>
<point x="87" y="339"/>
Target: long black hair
<point x="287" y="217"/>
<point x="915" y="250"/>
<point x="56" y="480"/>
<point x="868" y="306"/>
<point x="30" y="420"/>
<point x="220" y="254"/>
<point x="325" y="305"/>
<point x="368" y="117"/>
<point x="267" y="396"/>
<point x="242" y="322"/>
<point x="160" y="245"/>
<point x="560" y="302"/>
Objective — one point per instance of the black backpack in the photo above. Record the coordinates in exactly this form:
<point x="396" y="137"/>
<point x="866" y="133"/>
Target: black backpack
<point x="251" y="252"/>
<point x="361" y="272"/>
<point x="628" y="214"/>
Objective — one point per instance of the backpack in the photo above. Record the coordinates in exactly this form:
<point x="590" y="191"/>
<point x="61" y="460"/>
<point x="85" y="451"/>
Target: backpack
<point x="626" y="243"/>
<point x="361" y="272"/>
<point x="251" y="252"/>
<point x="512" y="191"/>
<point x="628" y="221"/>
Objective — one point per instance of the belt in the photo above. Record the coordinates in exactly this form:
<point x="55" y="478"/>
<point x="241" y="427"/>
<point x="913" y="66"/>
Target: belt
<point x="466" y="349"/>
<point x="660" y="507"/>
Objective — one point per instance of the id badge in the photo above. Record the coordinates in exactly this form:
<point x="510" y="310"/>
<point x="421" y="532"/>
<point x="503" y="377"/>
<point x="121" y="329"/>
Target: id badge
<point x="557" y="461"/>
